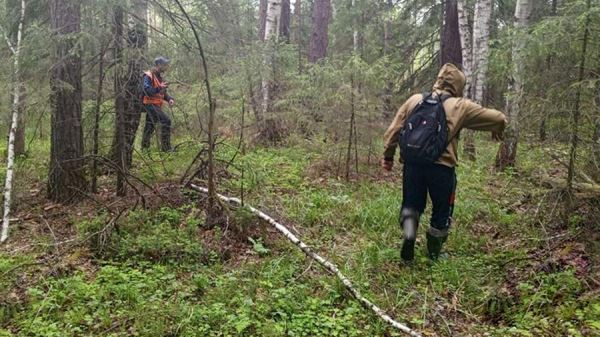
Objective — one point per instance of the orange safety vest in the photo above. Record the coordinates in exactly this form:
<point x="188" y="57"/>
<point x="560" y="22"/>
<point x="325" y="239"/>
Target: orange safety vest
<point x="157" y="99"/>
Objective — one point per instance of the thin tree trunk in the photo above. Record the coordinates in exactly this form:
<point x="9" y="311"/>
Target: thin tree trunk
<point x="481" y="38"/>
<point x="20" y="133"/>
<point x="262" y="19"/>
<point x="214" y="211"/>
<point x="451" y="51"/>
<point x="119" y="89"/>
<point x="507" y="152"/>
<point x="67" y="166"/>
<point x="17" y="91"/>
<point x="387" y="40"/>
<point x="299" y="40"/>
<point x="284" y="23"/>
<point x="271" y="35"/>
<point x="466" y="44"/>
<point x="96" y="130"/>
<point x="137" y="42"/>
<point x="481" y="35"/>
<point x="319" y="38"/>
<point x="351" y="128"/>
<point x="576" y="111"/>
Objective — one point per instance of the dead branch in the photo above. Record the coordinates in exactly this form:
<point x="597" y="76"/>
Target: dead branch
<point x="322" y="261"/>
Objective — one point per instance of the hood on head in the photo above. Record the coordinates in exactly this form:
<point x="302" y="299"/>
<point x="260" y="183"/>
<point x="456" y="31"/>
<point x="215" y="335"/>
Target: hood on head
<point x="450" y="79"/>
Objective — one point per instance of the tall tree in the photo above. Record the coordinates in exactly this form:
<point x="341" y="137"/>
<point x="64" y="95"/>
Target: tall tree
<point x="284" y="22"/>
<point x="262" y="19"/>
<point x="299" y="28"/>
<point x="137" y="41"/>
<point x="319" y="38"/>
<point x="466" y="36"/>
<point x="481" y="40"/>
<point x="576" y="116"/>
<point x="451" y="51"/>
<point x="66" y="178"/>
<point x="18" y="91"/>
<point x="475" y="56"/>
<point x="273" y="17"/>
<point x="387" y="44"/>
<point x="119" y="89"/>
<point x="508" y="149"/>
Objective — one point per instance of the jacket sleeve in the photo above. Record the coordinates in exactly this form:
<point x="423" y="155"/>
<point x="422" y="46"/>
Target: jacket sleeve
<point x="479" y="118"/>
<point x="390" y="138"/>
<point x="148" y="89"/>
<point x="167" y="96"/>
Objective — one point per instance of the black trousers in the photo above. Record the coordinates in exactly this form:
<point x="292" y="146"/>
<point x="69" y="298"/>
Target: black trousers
<point x="436" y="180"/>
<point x="155" y="115"/>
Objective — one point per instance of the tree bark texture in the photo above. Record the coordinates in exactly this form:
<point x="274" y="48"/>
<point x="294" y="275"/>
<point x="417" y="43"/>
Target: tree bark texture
<point x="285" y="21"/>
<point x="507" y="152"/>
<point x="319" y="40"/>
<point x="67" y="167"/>
<point x="451" y="51"/>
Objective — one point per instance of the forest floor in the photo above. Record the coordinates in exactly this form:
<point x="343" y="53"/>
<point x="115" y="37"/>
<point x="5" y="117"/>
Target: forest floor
<point x="517" y="266"/>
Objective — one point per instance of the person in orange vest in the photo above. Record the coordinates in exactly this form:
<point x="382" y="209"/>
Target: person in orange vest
<point x="155" y="94"/>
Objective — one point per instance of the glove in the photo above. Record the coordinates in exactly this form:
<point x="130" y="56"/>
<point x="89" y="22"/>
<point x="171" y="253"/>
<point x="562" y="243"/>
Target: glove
<point x="387" y="164"/>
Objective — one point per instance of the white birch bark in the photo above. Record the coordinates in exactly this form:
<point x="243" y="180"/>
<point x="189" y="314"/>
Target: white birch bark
<point x="271" y="34"/>
<point x="321" y="260"/>
<point x="522" y="13"/>
<point x="481" y="38"/>
<point x="8" y="183"/>
<point x="466" y="44"/>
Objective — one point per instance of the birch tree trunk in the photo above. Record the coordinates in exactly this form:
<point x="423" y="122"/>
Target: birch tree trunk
<point x="66" y="178"/>
<point x="481" y="39"/>
<point x="466" y="44"/>
<point x="508" y="149"/>
<point x="481" y="36"/>
<point x="319" y="40"/>
<point x="17" y="91"/>
<point x="273" y="17"/>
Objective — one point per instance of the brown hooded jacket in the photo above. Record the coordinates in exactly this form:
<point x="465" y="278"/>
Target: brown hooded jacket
<point x="460" y="113"/>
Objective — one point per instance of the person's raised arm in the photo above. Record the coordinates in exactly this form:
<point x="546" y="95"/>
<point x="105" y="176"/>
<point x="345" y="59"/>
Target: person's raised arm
<point x="479" y="118"/>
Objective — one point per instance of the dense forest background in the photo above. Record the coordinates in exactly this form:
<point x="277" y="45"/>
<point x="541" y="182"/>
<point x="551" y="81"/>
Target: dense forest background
<point x="283" y="104"/>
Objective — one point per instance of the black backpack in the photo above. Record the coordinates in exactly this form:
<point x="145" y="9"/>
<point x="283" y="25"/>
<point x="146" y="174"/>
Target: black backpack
<point x="424" y="137"/>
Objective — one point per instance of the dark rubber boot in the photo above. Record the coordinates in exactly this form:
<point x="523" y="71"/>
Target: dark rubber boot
<point x="435" y="240"/>
<point x="410" y="224"/>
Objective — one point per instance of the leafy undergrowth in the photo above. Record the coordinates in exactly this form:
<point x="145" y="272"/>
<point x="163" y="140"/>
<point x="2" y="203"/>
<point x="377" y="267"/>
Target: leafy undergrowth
<point x="515" y="267"/>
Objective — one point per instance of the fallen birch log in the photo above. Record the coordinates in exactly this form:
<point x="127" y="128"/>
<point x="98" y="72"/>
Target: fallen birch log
<point x="322" y="261"/>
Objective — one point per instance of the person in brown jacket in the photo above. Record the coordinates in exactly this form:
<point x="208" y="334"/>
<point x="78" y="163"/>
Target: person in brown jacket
<point x="438" y="179"/>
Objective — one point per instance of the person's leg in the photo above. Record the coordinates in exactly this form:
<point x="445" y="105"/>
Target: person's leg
<point x="165" y="129"/>
<point x="414" y="199"/>
<point x="441" y="182"/>
<point x="151" y="120"/>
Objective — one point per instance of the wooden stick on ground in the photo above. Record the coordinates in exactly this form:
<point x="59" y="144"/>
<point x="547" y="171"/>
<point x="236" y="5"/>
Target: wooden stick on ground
<point x="322" y="261"/>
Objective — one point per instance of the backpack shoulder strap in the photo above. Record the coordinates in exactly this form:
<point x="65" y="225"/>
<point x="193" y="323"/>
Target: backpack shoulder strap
<point x="444" y="97"/>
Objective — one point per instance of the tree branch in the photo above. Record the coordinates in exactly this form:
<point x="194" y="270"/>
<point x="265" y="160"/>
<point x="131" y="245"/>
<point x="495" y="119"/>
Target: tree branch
<point x="322" y="261"/>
